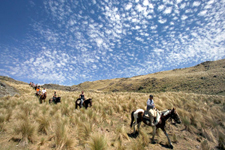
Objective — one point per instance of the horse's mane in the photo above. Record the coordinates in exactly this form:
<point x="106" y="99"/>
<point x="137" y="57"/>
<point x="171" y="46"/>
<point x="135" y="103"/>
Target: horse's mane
<point x="165" y="112"/>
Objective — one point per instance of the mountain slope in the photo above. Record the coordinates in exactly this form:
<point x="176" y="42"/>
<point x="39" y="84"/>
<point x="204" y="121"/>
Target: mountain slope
<point x="205" y="78"/>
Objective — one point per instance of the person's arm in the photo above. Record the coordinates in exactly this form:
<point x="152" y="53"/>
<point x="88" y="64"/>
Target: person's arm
<point x="148" y="102"/>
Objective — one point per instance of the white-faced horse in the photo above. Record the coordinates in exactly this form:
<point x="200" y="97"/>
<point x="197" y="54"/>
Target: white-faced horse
<point x="139" y="117"/>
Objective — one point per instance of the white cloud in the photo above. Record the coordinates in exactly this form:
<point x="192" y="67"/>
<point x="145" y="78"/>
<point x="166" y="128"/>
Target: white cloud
<point x="178" y="1"/>
<point x="161" y="7"/>
<point x="145" y="2"/>
<point x="162" y="20"/>
<point x="184" y="17"/>
<point x="168" y="10"/>
<point x="202" y="13"/>
<point x="128" y="6"/>
<point x="196" y="3"/>
<point x="140" y="8"/>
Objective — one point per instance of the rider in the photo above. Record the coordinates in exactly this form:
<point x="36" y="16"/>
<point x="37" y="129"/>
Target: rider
<point x="44" y="92"/>
<point x="150" y="109"/>
<point x="82" y="98"/>
<point x="38" y="90"/>
<point x="54" y="97"/>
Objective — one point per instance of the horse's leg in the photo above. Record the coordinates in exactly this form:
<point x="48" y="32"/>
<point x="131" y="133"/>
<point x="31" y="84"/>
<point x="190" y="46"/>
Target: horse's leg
<point x="139" y="126"/>
<point x="171" y="146"/>
<point x="135" y="122"/>
<point x="153" y="136"/>
<point x="134" y="127"/>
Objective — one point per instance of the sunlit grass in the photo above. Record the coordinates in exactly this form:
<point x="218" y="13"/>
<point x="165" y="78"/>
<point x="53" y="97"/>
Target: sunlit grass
<point x="52" y="126"/>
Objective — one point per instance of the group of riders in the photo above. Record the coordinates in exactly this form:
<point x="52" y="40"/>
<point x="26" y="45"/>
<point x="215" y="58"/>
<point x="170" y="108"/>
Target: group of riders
<point x="43" y="92"/>
<point x="38" y="89"/>
<point x="150" y="111"/>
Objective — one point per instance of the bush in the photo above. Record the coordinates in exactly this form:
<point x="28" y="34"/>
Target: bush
<point x="44" y="124"/>
<point x="221" y="141"/>
<point x="97" y="142"/>
<point x="205" y="145"/>
<point x="27" y="130"/>
<point x="62" y="140"/>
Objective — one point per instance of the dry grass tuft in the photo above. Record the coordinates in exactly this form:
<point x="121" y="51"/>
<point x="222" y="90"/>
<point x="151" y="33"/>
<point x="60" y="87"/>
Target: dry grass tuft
<point x="121" y="134"/>
<point x="62" y="139"/>
<point x="84" y="131"/>
<point x="27" y="130"/>
<point x="221" y="141"/>
<point x="205" y="145"/>
<point x="2" y="120"/>
<point x="44" y="124"/>
<point x="97" y="142"/>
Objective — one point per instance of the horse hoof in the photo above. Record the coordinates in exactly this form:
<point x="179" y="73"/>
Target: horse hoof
<point x="153" y="142"/>
<point x="171" y="146"/>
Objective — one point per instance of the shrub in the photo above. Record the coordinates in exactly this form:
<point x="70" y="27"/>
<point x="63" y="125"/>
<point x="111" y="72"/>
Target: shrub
<point x="205" y="145"/>
<point x="62" y="140"/>
<point x="84" y="131"/>
<point x="143" y="138"/>
<point x="186" y="123"/>
<point x="2" y="120"/>
<point x="221" y="141"/>
<point x="43" y="124"/>
<point x="97" y="142"/>
<point x="121" y="134"/>
<point x="27" y="130"/>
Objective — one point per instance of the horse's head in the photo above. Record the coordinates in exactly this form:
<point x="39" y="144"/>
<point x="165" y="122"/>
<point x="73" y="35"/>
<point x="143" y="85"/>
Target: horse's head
<point x="175" y="116"/>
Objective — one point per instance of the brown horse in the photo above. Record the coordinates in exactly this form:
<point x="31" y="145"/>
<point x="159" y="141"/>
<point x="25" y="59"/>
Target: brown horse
<point x="138" y="116"/>
<point x="42" y="97"/>
<point x="87" y="103"/>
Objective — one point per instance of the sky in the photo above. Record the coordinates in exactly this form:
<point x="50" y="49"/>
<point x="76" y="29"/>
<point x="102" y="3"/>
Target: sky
<point x="69" y="42"/>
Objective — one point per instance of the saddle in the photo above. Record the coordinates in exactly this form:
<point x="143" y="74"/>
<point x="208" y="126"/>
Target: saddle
<point x="155" y="113"/>
<point x="152" y="111"/>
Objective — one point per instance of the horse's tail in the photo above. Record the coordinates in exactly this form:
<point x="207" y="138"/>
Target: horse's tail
<point x="132" y="119"/>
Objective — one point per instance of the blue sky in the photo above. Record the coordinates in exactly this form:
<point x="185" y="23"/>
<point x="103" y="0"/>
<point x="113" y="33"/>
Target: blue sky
<point x="72" y="41"/>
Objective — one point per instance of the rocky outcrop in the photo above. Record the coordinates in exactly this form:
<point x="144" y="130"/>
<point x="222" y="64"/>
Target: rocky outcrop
<point x="7" y="90"/>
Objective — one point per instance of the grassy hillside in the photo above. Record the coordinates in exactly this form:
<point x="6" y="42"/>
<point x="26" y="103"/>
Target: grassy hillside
<point x="26" y="124"/>
<point x="205" y="78"/>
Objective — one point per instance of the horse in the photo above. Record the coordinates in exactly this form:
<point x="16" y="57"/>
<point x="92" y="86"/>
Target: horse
<point x="42" y="97"/>
<point x="139" y="117"/>
<point x="56" y="100"/>
<point x="87" y="103"/>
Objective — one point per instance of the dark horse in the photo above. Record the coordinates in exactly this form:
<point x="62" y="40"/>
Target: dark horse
<point x="42" y="97"/>
<point x="55" y="101"/>
<point x="139" y="117"/>
<point x="87" y="103"/>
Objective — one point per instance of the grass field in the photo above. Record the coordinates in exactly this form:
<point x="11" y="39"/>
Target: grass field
<point x="26" y="124"/>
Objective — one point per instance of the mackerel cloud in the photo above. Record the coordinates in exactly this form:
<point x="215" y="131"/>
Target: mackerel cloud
<point x="81" y="41"/>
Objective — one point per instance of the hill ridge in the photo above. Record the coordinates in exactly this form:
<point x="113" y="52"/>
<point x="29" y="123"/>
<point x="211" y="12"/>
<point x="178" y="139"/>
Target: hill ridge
<point x="205" y="78"/>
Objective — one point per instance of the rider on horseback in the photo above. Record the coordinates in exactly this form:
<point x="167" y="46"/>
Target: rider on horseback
<point x="38" y="90"/>
<point x="82" y="98"/>
<point x="54" y="97"/>
<point x="44" y="92"/>
<point x="151" y="109"/>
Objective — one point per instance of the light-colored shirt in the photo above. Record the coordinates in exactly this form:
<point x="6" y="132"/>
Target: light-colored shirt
<point x="150" y="103"/>
<point x="43" y="91"/>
